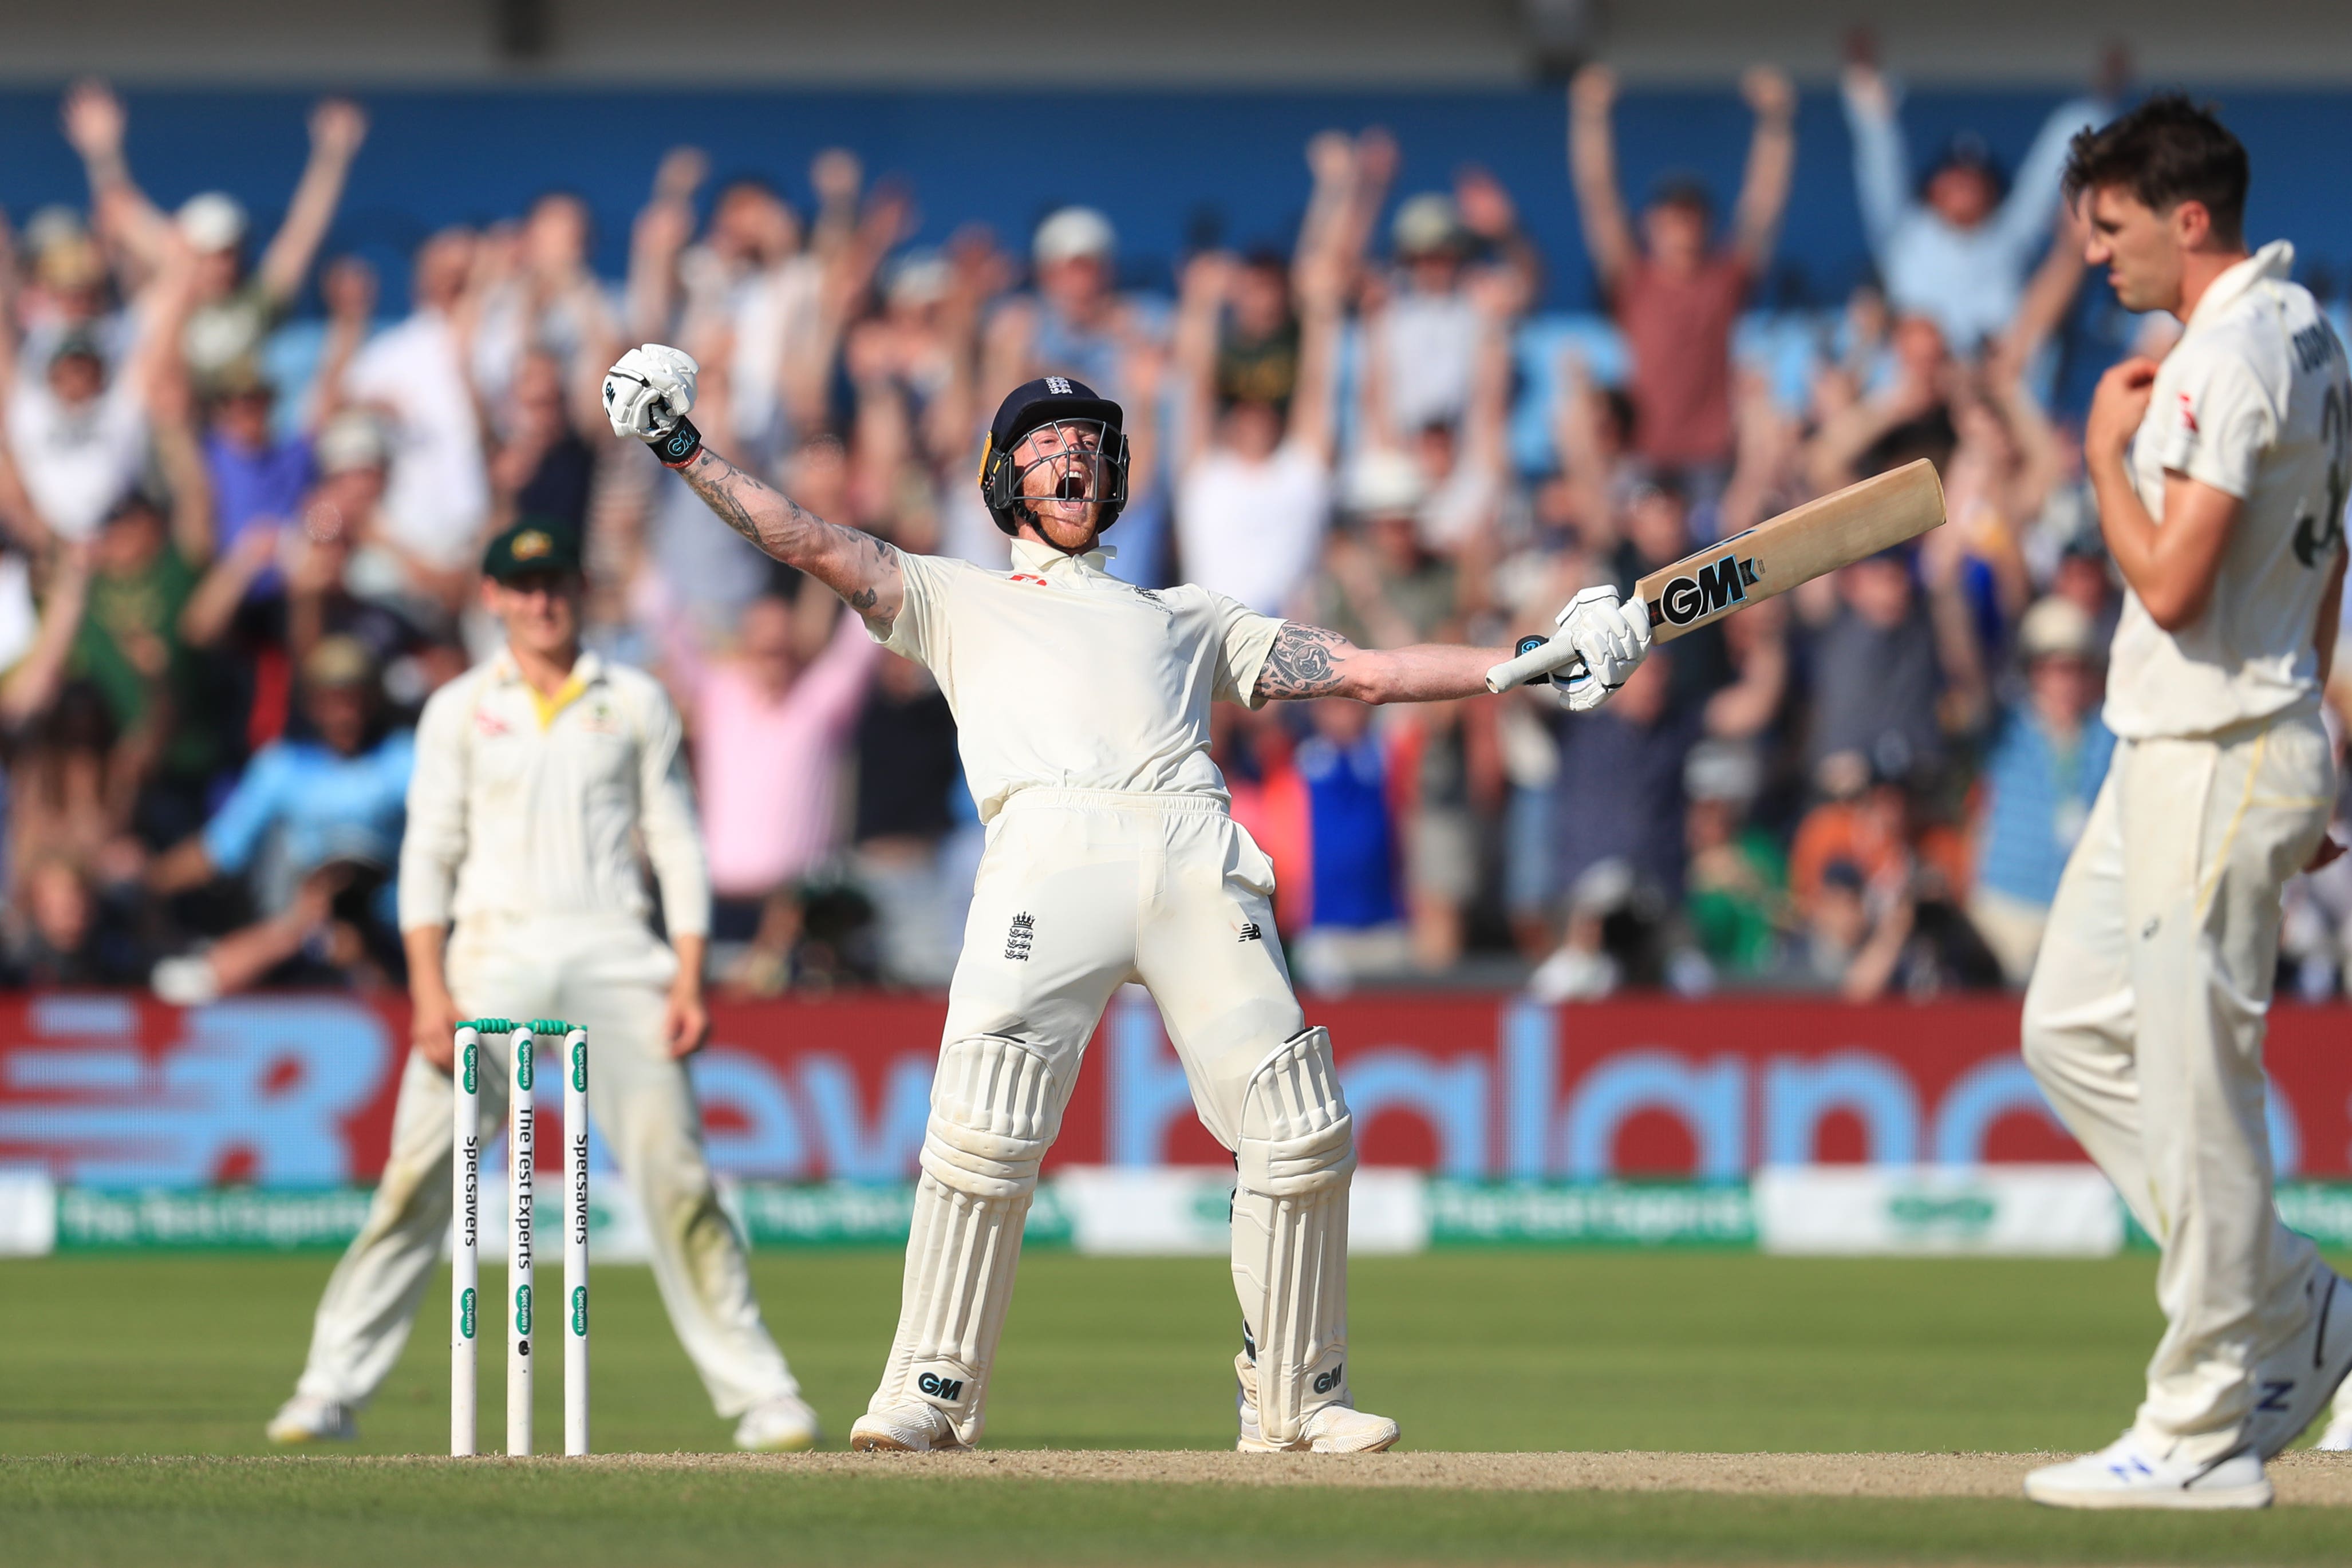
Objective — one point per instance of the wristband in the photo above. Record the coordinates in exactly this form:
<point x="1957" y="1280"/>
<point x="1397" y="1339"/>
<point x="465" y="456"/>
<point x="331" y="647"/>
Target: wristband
<point x="676" y="447"/>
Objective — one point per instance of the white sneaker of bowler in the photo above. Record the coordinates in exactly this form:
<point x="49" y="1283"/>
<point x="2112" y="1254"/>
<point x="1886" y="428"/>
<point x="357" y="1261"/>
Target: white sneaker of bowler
<point x="2337" y="1437"/>
<point x="916" y="1429"/>
<point x="2294" y="1383"/>
<point x="308" y="1419"/>
<point x="1333" y="1429"/>
<point x="2124" y="1475"/>
<point x="785" y="1424"/>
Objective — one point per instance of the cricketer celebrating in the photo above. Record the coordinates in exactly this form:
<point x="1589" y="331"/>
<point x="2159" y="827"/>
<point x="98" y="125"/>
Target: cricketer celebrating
<point x="1082" y="714"/>
<point x="2221" y="476"/>
<point x="534" y="774"/>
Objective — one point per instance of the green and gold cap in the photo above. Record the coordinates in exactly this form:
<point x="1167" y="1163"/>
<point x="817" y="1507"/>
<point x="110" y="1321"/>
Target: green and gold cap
<point x="534" y="544"/>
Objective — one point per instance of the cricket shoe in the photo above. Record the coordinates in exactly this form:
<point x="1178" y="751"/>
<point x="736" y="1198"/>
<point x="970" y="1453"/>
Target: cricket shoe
<point x="1333" y="1429"/>
<point x="2125" y="1474"/>
<point x="306" y="1418"/>
<point x="2293" y="1383"/>
<point x="2337" y="1438"/>
<point x="916" y="1429"/>
<point x="785" y="1424"/>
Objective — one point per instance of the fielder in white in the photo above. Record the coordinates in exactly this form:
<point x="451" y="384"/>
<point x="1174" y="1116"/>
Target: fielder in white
<point x="2222" y="477"/>
<point x="1082" y="712"/>
<point x="521" y="896"/>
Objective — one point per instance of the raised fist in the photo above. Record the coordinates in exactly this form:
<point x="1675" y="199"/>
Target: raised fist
<point x="648" y="389"/>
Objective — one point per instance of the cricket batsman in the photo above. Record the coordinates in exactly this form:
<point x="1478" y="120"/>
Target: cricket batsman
<point x="1082" y="713"/>
<point x="2221" y="476"/>
<point x="520" y="896"/>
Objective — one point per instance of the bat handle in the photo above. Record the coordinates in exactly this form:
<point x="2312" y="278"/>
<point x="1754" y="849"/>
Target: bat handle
<point x="1536" y="657"/>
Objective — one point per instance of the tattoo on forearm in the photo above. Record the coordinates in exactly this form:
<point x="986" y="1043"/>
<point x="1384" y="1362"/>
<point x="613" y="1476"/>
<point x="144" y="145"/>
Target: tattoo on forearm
<point x="1302" y="663"/>
<point x="727" y="489"/>
<point x="793" y="533"/>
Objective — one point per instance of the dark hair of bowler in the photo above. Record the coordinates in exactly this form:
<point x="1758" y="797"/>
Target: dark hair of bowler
<point x="2167" y="151"/>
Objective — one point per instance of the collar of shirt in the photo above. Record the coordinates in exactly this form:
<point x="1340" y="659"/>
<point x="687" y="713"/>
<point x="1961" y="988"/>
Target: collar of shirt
<point x="1028" y="555"/>
<point x="2275" y="259"/>
<point x="587" y="670"/>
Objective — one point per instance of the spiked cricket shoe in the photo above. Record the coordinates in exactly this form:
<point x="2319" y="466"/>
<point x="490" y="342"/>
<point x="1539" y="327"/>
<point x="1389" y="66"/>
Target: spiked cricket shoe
<point x="2337" y="1438"/>
<point x="1333" y="1429"/>
<point x="2293" y="1383"/>
<point x="308" y="1419"/>
<point x="2125" y="1474"/>
<point x="915" y="1428"/>
<point x="785" y="1424"/>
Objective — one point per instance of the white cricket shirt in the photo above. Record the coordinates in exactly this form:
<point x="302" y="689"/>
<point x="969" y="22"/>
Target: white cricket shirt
<point x="524" y="805"/>
<point x="1061" y="675"/>
<point x="2253" y="401"/>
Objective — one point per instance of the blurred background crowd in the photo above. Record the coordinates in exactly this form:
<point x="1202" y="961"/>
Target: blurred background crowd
<point x="243" y="495"/>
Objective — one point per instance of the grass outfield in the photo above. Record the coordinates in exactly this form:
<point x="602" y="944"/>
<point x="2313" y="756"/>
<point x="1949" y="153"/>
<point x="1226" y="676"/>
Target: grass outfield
<point x="1475" y="1350"/>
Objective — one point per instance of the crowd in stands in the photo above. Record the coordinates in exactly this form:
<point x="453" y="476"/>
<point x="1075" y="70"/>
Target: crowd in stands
<point x="231" y="574"/>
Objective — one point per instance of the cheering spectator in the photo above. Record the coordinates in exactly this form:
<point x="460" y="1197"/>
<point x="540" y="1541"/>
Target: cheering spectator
<point x="259" y="477"/>
<point x="1738" y="883"/>
<point x="318" y="823"/>
<point x="1254" y="482"/>
<point x="1673" y="293"/>
<point x="1423" y="331"/>
<point x="1353" y="914"/>
<point x="537" y="293"/>
<point x="1619" y="835"/>
<point x="437" y="497"/>
<point x="1959" y="253"/>
<point x="2048" y="755"/>
<point x="1895" y="670"/>
<point x="232" y="311"/>
<point x="768" y="737"/>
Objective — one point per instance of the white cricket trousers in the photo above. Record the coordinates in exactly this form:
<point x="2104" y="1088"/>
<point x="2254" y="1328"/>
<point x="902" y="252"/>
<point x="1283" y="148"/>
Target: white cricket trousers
<point x="1081" y="891"/>
<point x="2143" y="1027"/>
<point x="611" y="975"/>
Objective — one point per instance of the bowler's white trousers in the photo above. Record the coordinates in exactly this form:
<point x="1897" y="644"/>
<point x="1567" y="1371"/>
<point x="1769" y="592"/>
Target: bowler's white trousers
<point x="610" y="975"/>
<point x="2144" y="1026"/>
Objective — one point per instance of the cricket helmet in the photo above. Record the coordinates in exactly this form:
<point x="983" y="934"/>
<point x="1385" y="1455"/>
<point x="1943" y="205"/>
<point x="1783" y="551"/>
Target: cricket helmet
<point x="1088" y="462"/>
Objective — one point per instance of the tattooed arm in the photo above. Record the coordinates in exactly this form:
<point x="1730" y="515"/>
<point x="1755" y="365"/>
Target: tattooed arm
<point x="1310" y="662"/>
<point x="860" y="568"/>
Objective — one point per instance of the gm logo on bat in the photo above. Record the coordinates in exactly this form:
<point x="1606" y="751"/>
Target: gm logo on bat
<point x="1701" y="593"/>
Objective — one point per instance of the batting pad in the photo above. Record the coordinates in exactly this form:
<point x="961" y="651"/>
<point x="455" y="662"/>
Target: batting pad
<point x="1295" y="1154"/>
<point x="995" y="1108"/>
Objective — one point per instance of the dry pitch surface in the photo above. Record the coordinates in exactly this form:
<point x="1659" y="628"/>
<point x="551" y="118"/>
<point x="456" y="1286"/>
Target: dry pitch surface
<point x="2305" y="1479"/>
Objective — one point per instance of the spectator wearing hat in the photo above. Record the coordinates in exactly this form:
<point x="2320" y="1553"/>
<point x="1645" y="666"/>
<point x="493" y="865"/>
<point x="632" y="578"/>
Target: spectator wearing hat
<point x="1077" y="324"/>
<point x="1737" y="892"/>
<point x="1423" y="334"/>
<point x="315" y="822"/>
<point x="1674" y="292"/>
<point x="258" y="476"/>
<point x="78" y="425"/>
<point x="2048" y="755"/>
<point x="1958" y="250"/>
<point x="233" y="311"/>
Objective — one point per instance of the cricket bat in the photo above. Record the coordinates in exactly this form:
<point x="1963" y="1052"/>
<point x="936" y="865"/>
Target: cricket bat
<point x="1769" y="559"/>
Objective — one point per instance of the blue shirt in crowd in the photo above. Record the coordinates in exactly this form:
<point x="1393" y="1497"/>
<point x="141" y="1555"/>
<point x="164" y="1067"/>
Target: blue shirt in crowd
<point x="2038" y="796"/>
<point x="249" y="486"/>
<point x="324" y="806"/>
<point x="1968" y="281"/>
<point x="1353" y="842"/>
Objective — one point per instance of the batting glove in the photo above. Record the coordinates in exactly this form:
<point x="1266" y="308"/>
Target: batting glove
<point x="1610" y="640"/>
<point x="649" y="390"/>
